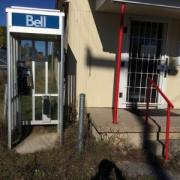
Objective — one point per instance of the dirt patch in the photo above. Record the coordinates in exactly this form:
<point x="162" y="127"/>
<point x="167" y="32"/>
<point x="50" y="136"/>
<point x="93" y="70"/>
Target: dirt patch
<point x="98" y="160"/>
<point x="60" y="162"/>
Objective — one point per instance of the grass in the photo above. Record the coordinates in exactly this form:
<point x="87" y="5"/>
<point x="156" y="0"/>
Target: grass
<point x="60" y="162"/>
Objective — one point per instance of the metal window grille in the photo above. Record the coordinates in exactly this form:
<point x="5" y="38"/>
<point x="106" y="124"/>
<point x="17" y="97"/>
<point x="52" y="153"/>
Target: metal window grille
<point x="147" y="41"/>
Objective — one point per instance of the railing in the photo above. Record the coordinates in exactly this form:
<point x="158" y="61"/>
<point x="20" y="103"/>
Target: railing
<point x="170" y="106"/>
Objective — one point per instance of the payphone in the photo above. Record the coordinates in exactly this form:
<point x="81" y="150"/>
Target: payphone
<point x="25" y="81"/>
<point x="35" y="51"/>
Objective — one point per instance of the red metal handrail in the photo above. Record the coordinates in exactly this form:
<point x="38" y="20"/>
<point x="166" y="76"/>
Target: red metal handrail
<point x="169" y="107"/>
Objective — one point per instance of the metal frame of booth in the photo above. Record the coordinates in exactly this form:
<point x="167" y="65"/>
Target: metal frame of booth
<point x="17" y="26"/>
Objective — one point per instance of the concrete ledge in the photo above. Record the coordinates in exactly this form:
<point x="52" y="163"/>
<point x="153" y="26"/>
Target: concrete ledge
<point x="131" y="131"/>
<point x="129" y="122"/>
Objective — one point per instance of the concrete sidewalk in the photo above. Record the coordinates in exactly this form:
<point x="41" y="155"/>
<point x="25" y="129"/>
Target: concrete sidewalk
<point x="131" y="130"/>
<point x="132" y="123"/>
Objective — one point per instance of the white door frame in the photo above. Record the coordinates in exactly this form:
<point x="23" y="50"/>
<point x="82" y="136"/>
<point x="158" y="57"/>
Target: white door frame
<point x="125" y="60"/>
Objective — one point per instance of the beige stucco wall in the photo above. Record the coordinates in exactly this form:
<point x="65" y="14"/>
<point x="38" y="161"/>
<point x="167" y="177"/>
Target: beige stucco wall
<point x="93" y="47"/>
<point x="92" y="43"/>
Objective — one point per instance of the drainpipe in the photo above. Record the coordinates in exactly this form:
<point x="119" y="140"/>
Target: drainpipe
<point x="118" y="64"/>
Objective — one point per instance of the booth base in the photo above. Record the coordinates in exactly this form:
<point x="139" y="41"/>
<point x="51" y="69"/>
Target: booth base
<point x="37" y="141"/>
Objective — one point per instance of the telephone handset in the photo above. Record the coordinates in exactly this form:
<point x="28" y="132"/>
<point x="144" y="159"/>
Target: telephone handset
<point x="25" y="78"/>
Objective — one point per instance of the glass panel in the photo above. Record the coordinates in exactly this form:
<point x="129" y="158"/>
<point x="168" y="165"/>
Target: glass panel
<point x="25" y="80"/>
<point x="24" y="64"/>
<point x="39" y="77"/>
<point x="26" y="50"/>
<point x="26" y="108"/>
<point x="38" y="108"/>
<point x="52" y="69"/>
<point x="40" y="51"/>
<point x="53" y="101"/>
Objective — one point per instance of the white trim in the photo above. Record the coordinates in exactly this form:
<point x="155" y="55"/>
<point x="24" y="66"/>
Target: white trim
<point x="160" y="103"/>
<point x="61" y="89"/>
<point x="34" y="87"/>
<point x="41" y="95"/>
<point x="46" y="68"/>
<point x="9" y="84"/>
<point x="17" y="29"/>
<point x="35" y="11"/>
<point x="124" y="70"/>
<point x="32" y="30"/>
<point x="178" y="58"/>
<point x="40" y="122"/>
<point x="147" y="4"/>
<point x="30" y="8"/>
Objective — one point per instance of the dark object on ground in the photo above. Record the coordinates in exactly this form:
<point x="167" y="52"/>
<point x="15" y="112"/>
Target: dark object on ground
<point x="108" y="171"/>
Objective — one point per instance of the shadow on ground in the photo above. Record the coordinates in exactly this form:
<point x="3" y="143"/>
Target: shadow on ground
<point x="108" y="170"/>
<point x="155" y="163"/>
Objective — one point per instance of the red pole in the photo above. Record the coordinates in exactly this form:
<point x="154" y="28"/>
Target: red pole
<point x="118" y="64"/>
<point x="167" y="133"/>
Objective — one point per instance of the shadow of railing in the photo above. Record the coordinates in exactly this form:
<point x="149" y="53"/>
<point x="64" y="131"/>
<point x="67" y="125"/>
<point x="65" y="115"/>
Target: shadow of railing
<point x="159" y="112"/>
<point x="158" y="134"/>
<point x="154" y="162"/>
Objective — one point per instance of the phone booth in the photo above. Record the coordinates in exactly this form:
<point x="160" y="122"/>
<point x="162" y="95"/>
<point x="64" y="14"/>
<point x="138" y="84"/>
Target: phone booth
<point x="35" y="51"/>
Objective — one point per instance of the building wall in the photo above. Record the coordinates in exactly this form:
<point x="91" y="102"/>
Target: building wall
<point x="92" y="39"/>
<point x="92" y="47"/>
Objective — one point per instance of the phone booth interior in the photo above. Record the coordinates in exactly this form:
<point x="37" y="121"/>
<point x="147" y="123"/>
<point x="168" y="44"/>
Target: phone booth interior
<point x="35" y="69"/>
